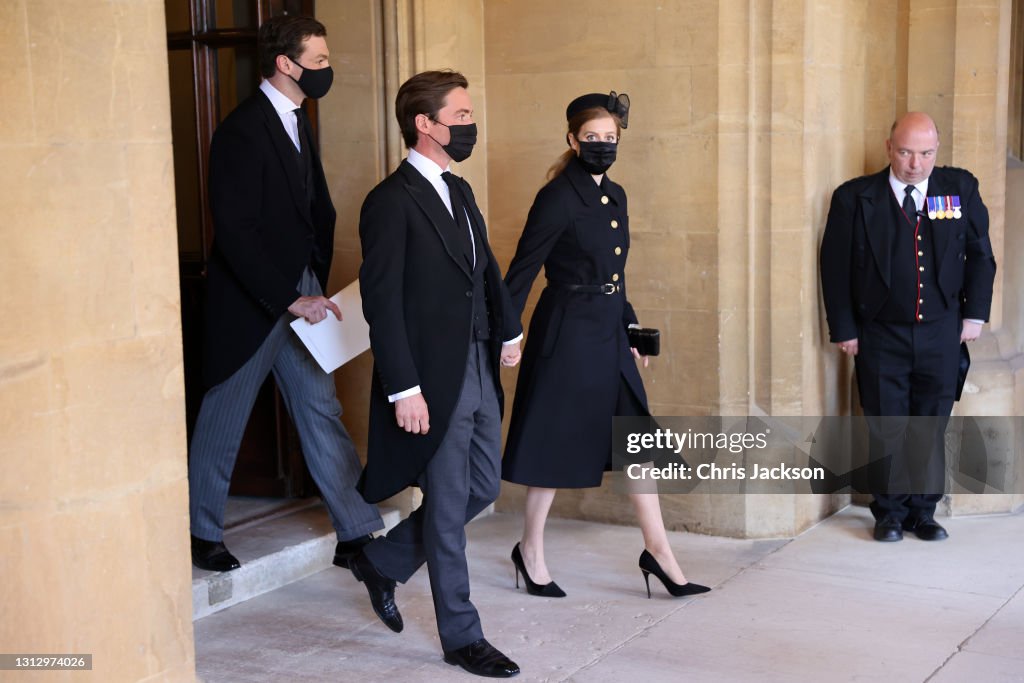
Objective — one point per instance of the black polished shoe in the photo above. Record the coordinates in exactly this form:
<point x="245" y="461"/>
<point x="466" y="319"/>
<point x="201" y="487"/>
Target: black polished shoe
<point x="344" y="551"/>
<point x="482" y="659"/>
<point x="926" y="528"/>
<point x="380" y="588"/>
<point x="888" y="529"/>
<point x="212" y="556"/>
<point x="649" y="565"/>
<point x="548" y="590"/>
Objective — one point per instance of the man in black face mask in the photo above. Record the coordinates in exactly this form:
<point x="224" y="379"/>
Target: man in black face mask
<point x="273" y="242"/>
<point x="440" y="322"/>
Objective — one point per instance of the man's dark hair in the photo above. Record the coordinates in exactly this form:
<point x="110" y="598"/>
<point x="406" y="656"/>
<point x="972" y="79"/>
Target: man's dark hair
<point x="424" y="93"/>
<point x="284" y="36"/>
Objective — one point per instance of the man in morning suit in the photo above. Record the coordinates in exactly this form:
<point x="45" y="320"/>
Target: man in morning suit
<point x="274" y="225"/>
<point x="906" y="273"/>
<point x="438" y="313"/>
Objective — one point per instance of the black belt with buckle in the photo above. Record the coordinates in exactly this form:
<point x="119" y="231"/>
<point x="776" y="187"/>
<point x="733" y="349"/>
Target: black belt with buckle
<point x="607" y="288"/>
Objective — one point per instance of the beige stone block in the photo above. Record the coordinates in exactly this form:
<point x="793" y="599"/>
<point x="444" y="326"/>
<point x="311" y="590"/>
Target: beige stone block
<point x="690" y="339"/>
<point x="685" y="33"/>
<point x="577" y="35"/>
<point x="674" y="271"/>
<point x="529" y="109"/>
<point x="705" y="100"/>
<point x="733" y="101"/>
<point x="28" y="423"/>
<point x="452" y="36"/>
<point x="682" y="197"/>
<point x="70" y="203"/>
<point x="167" y="604"/>
<point x="516" y="173"/>
<point x="119" y="404"/>
<point x="90" y="62"/>
<point x="151" y="237"/>
<point x="531" y="106"/>
<point x="16" y="121"/>
<point x="65" y="594"/>
<point x="352" y="45"/>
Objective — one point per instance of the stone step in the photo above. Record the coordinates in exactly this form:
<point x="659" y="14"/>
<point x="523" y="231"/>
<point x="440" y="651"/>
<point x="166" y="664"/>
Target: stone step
<point x="277" y="543"/>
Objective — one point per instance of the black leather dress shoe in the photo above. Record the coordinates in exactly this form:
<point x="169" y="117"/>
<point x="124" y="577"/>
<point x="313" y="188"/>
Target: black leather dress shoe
<point x="212" y="556"/>
<point x="888" y="529"/>
<point x="482" y="659"/>
<point x="344" y="551"/>
<point x="380" y="588"/>
<point x="926" y="528"/>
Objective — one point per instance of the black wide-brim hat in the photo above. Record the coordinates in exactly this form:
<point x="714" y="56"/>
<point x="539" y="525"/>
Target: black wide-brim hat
<point x="615" y="104"/>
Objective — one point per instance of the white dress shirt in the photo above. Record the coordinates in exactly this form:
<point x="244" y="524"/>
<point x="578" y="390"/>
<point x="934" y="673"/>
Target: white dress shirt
<point x="285" y="108"/>
<point x="899" y="188"/>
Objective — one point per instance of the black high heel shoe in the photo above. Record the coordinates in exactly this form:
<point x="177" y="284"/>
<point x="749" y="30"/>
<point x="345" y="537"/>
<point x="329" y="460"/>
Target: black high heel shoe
<point x="548" y="590"/>
<point x="649" y="565"/>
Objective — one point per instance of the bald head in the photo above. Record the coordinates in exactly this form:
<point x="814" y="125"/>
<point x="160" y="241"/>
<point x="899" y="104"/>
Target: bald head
<point x="912" y="145"/>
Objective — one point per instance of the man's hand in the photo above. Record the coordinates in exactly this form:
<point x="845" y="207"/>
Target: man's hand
<point x="970" y="332"/>
<point x="411" y="414"/>
<point x="636" y="354"/>
<point x="314" y="308"/>
<point x="510" y="355"/>
<point x="849" y="346"/>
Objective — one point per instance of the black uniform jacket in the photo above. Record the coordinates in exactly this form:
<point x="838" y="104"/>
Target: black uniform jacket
<point x="417" y="298"/>
<point x="577" y="354"/>
<point x="856" y="251"/>
<point x="266" y="233"/>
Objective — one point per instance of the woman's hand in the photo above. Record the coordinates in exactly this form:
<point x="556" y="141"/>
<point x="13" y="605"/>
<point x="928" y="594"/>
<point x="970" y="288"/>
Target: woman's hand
<point x="636" y="354"/>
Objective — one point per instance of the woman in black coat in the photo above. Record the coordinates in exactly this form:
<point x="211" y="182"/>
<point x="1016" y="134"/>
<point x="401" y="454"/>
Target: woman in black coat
<point x="578" y="369"/>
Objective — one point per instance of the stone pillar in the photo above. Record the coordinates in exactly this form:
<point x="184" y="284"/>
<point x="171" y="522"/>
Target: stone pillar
<point x="94" y="513"/>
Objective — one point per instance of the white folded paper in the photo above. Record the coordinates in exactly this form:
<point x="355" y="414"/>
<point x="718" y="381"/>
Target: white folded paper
<point x="334" y="342"/>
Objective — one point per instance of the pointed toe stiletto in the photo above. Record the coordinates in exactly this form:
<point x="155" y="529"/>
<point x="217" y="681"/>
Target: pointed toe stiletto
<point x="649" y="565"/>
<point x="548" y="590"/>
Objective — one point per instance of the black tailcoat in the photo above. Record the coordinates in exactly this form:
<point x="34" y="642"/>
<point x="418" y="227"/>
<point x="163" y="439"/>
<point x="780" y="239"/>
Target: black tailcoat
<point x="417" y="298"/>
<point x="856" y="251"/>
<point x="266" y="233"/>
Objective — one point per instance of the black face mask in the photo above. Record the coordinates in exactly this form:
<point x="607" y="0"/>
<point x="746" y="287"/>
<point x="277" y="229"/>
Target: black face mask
<point x="463" y="137"/>
<point x="314" y="83"/>
<point x="597" y="157"/>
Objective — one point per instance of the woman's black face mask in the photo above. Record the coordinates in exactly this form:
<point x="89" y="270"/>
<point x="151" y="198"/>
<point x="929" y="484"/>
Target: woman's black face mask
<point x="597" y="157"/>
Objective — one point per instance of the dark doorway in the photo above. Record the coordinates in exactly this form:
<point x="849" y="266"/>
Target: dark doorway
<point x="213" y="66"/>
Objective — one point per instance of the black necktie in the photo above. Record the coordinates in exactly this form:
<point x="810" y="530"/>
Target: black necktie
<point x="303" y="124"/>
<point x="305" y="149"/>
<point x="909" y="205"/>
<point x="459" y="214"/>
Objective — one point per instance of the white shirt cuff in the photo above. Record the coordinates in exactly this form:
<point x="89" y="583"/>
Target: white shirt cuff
<point x="404" y="394"/>
<point x="514" y="341"/>
<point x="972" y="320"/>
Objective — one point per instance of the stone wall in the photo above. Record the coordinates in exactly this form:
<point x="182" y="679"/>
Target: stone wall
<point x="93" y="500"/>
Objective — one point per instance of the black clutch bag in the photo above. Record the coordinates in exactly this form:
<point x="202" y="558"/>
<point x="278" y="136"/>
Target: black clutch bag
<point x="646" y="340"/>
<point x="963" y="366"/>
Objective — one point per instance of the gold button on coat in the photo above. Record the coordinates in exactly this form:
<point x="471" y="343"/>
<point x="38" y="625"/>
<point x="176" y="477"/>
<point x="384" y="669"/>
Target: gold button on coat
<point x="615" y="278"/>
<point x="618" y="250"/>
<point x="604" y="200"/>
<point x="615" y="224"/>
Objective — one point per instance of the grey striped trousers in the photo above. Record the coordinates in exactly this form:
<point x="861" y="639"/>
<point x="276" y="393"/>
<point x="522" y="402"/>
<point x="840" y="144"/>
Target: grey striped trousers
<point x="310" y="397"/>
